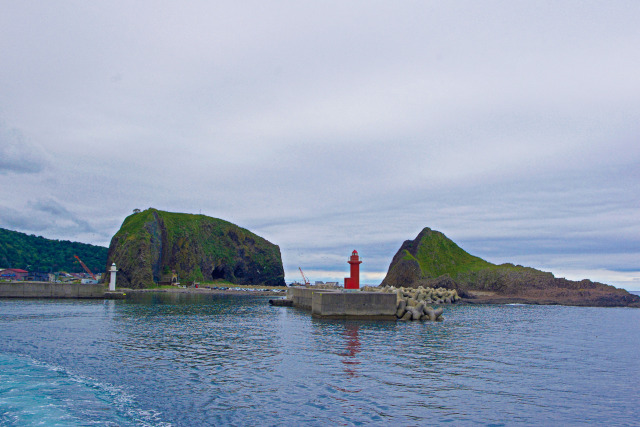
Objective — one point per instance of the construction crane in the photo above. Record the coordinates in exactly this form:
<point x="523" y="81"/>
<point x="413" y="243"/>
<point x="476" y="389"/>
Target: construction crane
<point x="85" y="267"/>
<point x="304" y="279"/>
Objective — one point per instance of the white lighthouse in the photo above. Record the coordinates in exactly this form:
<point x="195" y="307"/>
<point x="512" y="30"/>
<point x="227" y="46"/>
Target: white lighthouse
<point x="112" y="281"/>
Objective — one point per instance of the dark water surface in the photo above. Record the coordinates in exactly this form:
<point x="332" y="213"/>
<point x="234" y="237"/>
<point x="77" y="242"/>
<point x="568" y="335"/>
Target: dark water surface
<point x="217" y="360"/>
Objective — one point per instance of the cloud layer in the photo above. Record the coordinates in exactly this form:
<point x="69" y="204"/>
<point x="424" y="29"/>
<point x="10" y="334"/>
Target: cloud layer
<point x="511" y="127"/>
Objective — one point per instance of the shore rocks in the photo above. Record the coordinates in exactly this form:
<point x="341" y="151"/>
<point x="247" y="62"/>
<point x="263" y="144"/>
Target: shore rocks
<point x="414" y="303"/>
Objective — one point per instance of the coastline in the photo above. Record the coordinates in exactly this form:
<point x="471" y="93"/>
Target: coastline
<point x="539" y="298"/>
<point x="474" y="297"/>
<point x="230" y="291"/>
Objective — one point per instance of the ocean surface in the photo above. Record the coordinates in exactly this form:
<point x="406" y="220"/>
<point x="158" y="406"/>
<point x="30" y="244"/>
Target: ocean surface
<point x="186" y="360"/>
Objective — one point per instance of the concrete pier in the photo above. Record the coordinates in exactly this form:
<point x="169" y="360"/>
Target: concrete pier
<point x="303" y="297"/>
<point x="50" y="290"/>
<point x="336" y="303"/>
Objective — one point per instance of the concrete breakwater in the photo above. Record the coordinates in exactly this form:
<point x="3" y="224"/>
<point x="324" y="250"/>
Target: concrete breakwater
<point x="373" y="302"/>
<point x="337" y="303"/>
<point x="50" y="290"/>
<point x="414" y="303"/>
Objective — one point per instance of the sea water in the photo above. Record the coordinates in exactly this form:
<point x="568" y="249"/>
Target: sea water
<point x="184" y="360"/>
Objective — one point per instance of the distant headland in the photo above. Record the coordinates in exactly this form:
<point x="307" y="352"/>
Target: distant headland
<point x="156" y="247"/>
<point x="433" y="260"/>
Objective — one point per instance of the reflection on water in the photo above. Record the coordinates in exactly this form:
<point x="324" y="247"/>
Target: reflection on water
<point x="349" y="358"/>
<point x="194" y="330"/>
<point x="109" y="308"/>
<point x="231" y="360"/>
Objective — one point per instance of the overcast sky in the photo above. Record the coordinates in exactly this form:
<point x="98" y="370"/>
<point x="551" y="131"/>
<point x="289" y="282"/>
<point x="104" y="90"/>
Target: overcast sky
<point x="328" y="126"/>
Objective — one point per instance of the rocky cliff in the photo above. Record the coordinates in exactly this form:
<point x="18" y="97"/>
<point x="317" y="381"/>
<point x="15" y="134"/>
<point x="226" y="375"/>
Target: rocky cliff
<point x="153" y="244"/>
<point x="433" y="260"/>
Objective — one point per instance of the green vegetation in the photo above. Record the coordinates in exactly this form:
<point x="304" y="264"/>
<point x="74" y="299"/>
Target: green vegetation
<point x="433" y="258"/>
<point x="35" y="253"/>
<point x="153" y="244"/>
<point x="438" y="255"/>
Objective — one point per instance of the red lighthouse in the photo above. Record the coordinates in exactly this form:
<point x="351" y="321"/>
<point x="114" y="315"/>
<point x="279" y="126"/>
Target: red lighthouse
<point x="353" y="282"/>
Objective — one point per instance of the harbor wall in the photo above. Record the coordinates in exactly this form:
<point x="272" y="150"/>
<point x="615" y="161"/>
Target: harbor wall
<point x="336" y="303"/>
<point x="376" y="305"/>
<point x="50" y="290"/>
<point x="303" y="297"/>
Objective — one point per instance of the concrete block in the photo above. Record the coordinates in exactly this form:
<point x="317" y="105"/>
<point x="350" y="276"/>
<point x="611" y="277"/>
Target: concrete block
<point x="91" y="291"/>
<point x="36" y="290"/>
<point x="50" y="290"/>
<point x="303" y="297"/>
<point x="64" y="290"/>
<point x="10" y="290"/>
<point x="354" y="304"/>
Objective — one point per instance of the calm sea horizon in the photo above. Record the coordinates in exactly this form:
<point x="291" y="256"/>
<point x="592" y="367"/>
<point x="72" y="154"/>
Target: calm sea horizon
<point x="183" y="360"/>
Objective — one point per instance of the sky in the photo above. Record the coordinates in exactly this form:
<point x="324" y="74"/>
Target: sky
<point x="329" y="126"/>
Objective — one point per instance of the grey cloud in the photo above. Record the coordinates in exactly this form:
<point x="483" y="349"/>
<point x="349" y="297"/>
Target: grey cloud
<point x="19" y="220"/>
<point x="533" y="221"/>
<point x="333" y="126"/>
<point x="17" y="155"/>
<point x="60" y="215"/>
<point x="46" y="216"/>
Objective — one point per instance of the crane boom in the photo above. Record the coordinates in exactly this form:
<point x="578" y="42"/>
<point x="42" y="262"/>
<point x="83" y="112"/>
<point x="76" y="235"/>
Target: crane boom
<point x="304" y="278"/>
<point x="85" y="267"/>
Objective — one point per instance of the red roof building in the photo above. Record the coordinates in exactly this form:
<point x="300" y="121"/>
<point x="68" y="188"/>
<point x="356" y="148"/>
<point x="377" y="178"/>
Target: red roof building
<point x="13" y="274"/>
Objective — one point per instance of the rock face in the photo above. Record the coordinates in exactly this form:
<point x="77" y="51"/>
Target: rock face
<point x="153" y="244"/>
<point x="432" y="260"/>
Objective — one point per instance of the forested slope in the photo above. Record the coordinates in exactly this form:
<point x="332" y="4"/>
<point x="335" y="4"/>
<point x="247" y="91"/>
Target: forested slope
<point x="36" y="253"/>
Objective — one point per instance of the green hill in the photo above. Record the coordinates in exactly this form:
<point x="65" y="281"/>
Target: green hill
<point x="437" y="255"/>
<point x="35" y="253"/>
<point x="152" y="244"/>
<point x="433" y="260"/>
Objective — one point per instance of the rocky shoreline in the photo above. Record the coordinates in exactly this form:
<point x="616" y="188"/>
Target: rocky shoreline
<point x="584" y="299"/>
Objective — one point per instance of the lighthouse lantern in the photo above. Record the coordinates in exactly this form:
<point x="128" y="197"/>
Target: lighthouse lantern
<point x="353" y="282"/>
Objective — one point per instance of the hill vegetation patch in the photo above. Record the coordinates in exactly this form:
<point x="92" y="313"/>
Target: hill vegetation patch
<point x="36" y="253"/>
<point x="155" y="246"/>
<point x="433" y="260"/>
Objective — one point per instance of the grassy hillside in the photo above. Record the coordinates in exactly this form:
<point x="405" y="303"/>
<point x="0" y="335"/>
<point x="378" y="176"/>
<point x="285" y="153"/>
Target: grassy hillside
<point x="433" y="260"/>
<point x="153" y="243"/>
<point x="438" y="255"/>
<point x="35" y="253"/>
<point x="432" y="255"/>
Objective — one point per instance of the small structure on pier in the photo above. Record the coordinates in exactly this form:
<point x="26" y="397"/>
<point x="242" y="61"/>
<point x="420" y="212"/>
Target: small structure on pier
<point x="112" y="281"/>
<point x="353" y="282"/>
<point x="350" y="302"/>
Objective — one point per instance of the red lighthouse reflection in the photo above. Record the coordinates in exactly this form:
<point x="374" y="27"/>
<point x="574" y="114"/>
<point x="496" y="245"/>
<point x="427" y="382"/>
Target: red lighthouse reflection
<point x="352" y="348"/>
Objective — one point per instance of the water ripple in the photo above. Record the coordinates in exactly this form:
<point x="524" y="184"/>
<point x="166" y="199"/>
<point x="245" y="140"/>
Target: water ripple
<point x="209" y="360"/>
